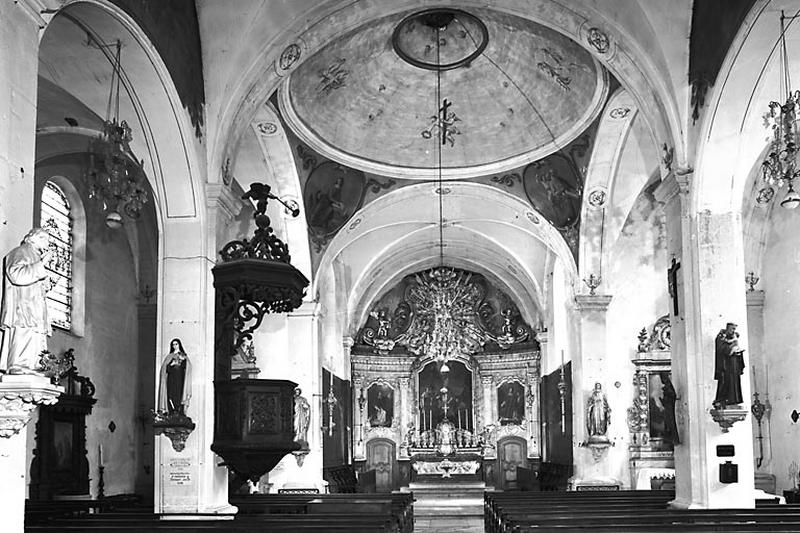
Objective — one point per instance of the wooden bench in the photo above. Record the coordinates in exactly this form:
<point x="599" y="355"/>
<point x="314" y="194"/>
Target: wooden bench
<point x="258" y="512"/>
<point x="624" y="511"/>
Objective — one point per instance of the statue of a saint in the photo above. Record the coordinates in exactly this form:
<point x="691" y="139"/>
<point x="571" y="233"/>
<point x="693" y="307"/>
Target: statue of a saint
<point x="302" y="417"/>
<point x="728" y="366"/>
<point x="175" y="384"/>
<point x="598" y="415"/>
<point x="668" y="399"/>
<point x="23" y="317"/>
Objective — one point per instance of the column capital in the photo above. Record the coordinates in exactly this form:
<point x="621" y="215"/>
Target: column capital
<point x="542" y="336"/>
<point x="755" y="298"/>
<point x="674" y="183"/>
<point x="348" y="342"/>
<point x="19" y="396"/>
<point x="404" y="382"/>
<point x="487" y="380"/>
<point x="221" y="196"/>
<point x="306" y="309"/>
<point x="592" y="302"/>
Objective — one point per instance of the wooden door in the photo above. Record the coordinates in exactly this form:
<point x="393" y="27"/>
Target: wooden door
<point x="511" y="455"/>
<point x="380" y="457"/>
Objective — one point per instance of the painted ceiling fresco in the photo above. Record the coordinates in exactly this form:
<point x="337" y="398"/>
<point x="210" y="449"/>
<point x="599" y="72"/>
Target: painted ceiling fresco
<point x="528" y="93"/>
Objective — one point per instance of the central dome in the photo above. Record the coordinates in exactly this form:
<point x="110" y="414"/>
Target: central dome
<point x="515" y="92"/>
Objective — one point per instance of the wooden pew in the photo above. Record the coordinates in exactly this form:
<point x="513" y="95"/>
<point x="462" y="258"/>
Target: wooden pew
<point x="624" y="511"/>
<point x="354" y="513"/>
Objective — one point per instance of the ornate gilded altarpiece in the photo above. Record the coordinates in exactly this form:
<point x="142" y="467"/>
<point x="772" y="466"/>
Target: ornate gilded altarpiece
<point x="445" y="328"/>
<point x="651" y="418"/>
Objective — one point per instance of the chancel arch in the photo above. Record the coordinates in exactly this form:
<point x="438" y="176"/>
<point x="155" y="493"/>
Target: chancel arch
<point x="462" y="375"/>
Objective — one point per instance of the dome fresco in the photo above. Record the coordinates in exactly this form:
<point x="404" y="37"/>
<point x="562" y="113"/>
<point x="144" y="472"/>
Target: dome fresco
<point x="359" y="102"/>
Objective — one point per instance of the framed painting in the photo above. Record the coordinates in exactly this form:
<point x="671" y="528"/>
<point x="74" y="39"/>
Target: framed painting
<point x="380" y="405"/>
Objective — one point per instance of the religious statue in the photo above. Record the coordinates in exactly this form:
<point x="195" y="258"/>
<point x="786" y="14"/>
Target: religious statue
<point x="728" y="366"/>
<point x="302" y="418"/>
<point x="175" y="388"/>
<point x="23" y="317"/>
<point x="668" y="399"/>
<point x="598" y="415"/>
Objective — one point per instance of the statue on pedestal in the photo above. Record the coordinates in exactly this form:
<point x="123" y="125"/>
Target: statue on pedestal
<point x="174" y="392"/>
<point x="302" y="418"/>
<point x="175" y="385"/>
<point x="23" y="316"/>
<point x="728" y="367"/>
<point x="598" y="415"/>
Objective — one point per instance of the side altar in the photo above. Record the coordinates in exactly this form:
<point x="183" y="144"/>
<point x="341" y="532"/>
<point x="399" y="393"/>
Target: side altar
<point x="446" y="376"/>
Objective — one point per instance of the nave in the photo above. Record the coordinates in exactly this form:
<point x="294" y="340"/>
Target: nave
<point x="334" y="263"/>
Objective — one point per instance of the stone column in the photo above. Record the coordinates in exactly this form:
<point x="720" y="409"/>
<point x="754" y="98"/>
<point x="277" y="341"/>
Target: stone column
<point x="405" y="406"/>
<point x="488" y="390"/>
<point x="592" y="464"/>
<point x="20" y="25"/>
<point x="19" y="396"/>
<point x="188" y="478"/>
<point x="359" y="451"/>
<point x="708" y="248"/>
<point x="532" y="404"/>
<point x="303" y="367"/>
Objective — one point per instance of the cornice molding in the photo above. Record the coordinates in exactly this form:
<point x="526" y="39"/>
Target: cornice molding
<point x="592" y="302"/>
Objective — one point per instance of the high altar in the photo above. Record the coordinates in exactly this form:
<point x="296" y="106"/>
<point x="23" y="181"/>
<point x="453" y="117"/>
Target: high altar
<point x="446" y="374"/>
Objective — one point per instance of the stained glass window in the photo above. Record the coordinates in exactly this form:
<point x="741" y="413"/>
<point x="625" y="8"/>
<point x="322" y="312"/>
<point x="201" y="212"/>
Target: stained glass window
<point x="56" y="219"/>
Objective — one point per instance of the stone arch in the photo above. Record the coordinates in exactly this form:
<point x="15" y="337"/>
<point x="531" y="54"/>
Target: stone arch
<point x="174" y="164"/>
<point x="732" y="135"/>
<point x="402" y="237"/>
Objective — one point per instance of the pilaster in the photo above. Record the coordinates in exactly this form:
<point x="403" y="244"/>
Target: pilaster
<point x="709" y="268"/>
<point x="19" y="397"/>
<point x="592" y="464"/>
<point x="20" y="26"/>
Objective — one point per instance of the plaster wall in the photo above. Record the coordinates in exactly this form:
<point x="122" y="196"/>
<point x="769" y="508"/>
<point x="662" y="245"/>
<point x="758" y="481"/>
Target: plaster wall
<point x="781" y="349"/>
<point x="108" y="353"/>
<point x="636" y="277"/>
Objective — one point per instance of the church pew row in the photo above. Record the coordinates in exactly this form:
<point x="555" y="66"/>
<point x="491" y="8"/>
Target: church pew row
<point x="263" y="523"/>
<point x="294" y="512"/>
<point x="498" y="505"/>
<point x="624" y="511"/>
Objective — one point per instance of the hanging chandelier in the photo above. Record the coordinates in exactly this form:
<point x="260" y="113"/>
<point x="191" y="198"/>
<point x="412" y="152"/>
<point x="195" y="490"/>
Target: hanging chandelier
<point x="780" y="167"/>
<point x="114" y="177"/>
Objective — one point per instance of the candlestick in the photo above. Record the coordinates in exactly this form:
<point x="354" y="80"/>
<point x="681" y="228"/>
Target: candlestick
<point x="100" y="454"/>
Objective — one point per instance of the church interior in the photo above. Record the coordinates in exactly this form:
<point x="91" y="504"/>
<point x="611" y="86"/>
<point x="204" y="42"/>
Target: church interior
<point x="408" y="265"/>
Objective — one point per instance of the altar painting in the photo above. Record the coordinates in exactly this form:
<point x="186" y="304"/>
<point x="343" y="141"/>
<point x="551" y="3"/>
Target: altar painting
<point x="511" y="403"/>
<point x="380" y="405"/>
<point x="449" y="392"/>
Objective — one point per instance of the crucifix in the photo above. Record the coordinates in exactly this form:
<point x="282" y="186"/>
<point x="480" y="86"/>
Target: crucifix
<point x="443" y="119"/>
<point x="672" y="284"/>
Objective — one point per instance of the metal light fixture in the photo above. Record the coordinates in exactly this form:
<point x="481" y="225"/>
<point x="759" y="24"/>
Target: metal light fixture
<point x="114" y="177"/>
<point x="780" y="167"/>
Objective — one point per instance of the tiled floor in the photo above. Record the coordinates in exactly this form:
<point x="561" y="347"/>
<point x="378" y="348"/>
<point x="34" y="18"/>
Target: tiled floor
<point x="448" y="524"/>
<point x="448" y="512"/>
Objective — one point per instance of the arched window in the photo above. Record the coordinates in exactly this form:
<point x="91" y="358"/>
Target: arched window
<point x="57" y="219"/>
